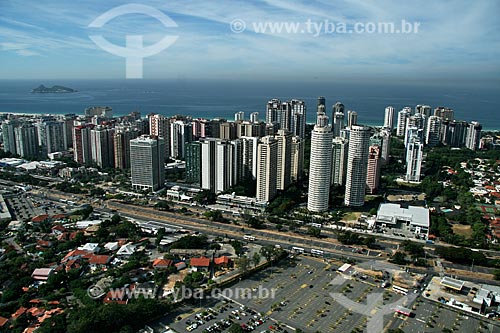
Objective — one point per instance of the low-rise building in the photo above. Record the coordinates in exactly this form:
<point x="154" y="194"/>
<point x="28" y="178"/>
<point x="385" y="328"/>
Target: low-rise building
<point x="410" y="219"/>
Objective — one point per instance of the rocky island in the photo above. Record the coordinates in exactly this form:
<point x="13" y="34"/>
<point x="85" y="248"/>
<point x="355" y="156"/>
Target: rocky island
<point x="54" y="89"/>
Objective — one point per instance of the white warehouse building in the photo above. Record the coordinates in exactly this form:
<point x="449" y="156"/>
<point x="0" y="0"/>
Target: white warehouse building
<point x="411" y="219"/>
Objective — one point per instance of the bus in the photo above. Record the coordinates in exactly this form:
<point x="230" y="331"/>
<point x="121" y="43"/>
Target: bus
<point x="402" y="310"/>
<point x="317" y="252"/>
<point x="297" y="249"/>
<point x="249" y="238"/>
<point x="400" y="290"/>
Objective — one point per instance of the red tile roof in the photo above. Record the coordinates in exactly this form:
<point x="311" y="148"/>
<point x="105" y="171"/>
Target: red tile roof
<point x="162" y="262"/>
<point x="3" y="321"/>
<point x="99" y="259"/>
<point x="39" y="218"/>
<point x="19" y="312"/>
<point x="36" y="312"/>
<point x="200" y="262"/>
<point x="43" y="243"/>
<point x="224" y="260"/>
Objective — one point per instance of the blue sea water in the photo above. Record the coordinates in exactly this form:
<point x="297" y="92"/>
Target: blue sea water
<point x="210" y="99"/>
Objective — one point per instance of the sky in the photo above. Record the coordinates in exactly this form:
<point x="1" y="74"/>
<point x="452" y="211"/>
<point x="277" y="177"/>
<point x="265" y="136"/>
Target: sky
<point x="456" y="40"/>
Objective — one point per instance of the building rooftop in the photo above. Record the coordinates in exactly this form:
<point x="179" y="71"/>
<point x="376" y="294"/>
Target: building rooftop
<point x="390" y="213"/>
<point x="452" y="283"/>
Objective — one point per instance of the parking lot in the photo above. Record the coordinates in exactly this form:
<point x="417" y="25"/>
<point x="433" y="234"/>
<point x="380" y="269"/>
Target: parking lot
<point x="430" y="316"/>
<point x="301" y="298"/>
<point x="24" y="207"/>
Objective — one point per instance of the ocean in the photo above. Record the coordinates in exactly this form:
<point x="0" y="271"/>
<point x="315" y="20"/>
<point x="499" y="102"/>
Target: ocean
<point x="211" y="98"/>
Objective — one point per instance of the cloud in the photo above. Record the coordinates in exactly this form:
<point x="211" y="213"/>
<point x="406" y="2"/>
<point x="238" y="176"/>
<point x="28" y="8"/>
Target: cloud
<point x="27" y="53"/>
<point x="455" y="36"/>
<point x="18" y="48"/>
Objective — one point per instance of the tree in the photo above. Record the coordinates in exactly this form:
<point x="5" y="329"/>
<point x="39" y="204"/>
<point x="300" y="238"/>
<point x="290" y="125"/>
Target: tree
<point x="254" y="222"/>
<point x="496" y="273"/>
<point x="414" y="249"/>
<point x="398" y="258"/>
<point x="267" y="252"/>
<point x="349" y="238"/>
<point x="159" y="236"/>
<point x="243" y="263"/>
<point x="235" y="328"/>
<point x="370" y="242"/>
<point x="162" y="205"/>
<point x="115" y="219"/>
<point x="215" y="215"/>
<point x="193" y="280"/>
<point x="238" y="246"/>
<point x="97" y="192"/>
<point x="205" y="197"/>
<point x="315" y="232"/>
<point x="191" y="242"/>
<point x="256" y="258"/>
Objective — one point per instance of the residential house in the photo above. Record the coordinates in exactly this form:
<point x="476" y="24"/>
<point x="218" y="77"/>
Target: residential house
<point x="161" y="263"/>
<point x="99" y="261"/>
<point x="126" y="250"/>
<point x="223" y="262"/>
<point x="42" y="274"/>
<point x="200" y="264"/>
<point x="111" y="246"/>
<point x="90" y="247"/>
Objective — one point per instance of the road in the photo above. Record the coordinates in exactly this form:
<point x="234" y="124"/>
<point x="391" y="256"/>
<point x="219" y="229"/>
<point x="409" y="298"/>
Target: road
<point x="264" y="237"/>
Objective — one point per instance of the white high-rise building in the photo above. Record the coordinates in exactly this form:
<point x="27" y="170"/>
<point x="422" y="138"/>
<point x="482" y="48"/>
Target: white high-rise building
<point x="249" y="156"/>
<point x="239" y="116"/>
<point x="339" y="160"/>
<point x="403" y="115"/>
<point x="414" y="155"/>
<point x="160" y="126"/>
<point x="352" y="118"/>
<point x="321" y="165"/>
<point x="82" y="148"/>
<point x="121" y="139"/>
<point x="219" y="165"/>
<point x="426" y="110"/>
<point x="338" y="123"/>
<point x="8" y="135"/>
<point x="297" y="165"/>
<point x="298" y="125"/>
<point x="26" y="141"/>
<point x="102" y="146"/>
<point x="181" y="132"/>
<point x="338" y="107"/>
<point x="357" y="162"/>
<point x="289" y="115"/>
<point x="389" y="117"/>
<point x="433" y="135"/>
<point x="284" y="139"/>
<point x="337" y="118"/>
<point x="473" y="135"/>
<point x="267" y="173"/>
<point x="373" y="169"/>
<point x="51" y="136"/>
<point x="147" y="163"/>
<point x="254" y="117"/>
